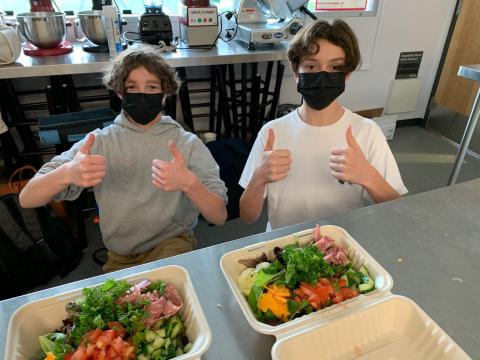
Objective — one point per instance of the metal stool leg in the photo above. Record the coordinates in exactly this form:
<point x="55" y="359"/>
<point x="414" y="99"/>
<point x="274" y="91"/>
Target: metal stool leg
<point x="276" y="91"/>
<point x="233" y="97"/>
<point x="223" y="100"/>
<point x="185" y="99"/>
<point x="254" y="125"/>
<point x="265" y="92"/>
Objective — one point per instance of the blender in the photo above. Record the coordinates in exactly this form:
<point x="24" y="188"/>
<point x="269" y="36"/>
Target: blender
<point x="155" y="25"/>
<point x="44" y="29"/>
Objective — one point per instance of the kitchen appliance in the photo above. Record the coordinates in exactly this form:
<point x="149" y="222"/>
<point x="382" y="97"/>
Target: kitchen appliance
<point x="95" y="39"/>
<point x="267" y="21"/>
<point x="199" y="23"/>
<point x="155" y="25"/>
<point x="44" y="29"/>
<point x="91" y="24"/>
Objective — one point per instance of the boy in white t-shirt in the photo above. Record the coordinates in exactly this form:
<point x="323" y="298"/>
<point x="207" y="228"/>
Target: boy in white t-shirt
<point x="321" y="159"/>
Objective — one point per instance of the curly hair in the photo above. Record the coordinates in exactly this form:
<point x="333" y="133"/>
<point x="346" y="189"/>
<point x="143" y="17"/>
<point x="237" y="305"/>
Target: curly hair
<point x="117" y="72"/>
<point x="305" y="43"/>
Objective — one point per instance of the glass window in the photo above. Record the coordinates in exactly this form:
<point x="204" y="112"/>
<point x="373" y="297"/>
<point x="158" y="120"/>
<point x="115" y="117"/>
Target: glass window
<point x="169" y="6"/>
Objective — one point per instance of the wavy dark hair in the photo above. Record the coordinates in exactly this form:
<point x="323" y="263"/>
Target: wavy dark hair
<point x="305" y="43"/>
<point x="117" y="72"/>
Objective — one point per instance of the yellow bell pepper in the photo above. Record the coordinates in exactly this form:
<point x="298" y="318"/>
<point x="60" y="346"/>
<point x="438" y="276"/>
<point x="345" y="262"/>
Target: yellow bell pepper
<point x="50" y="356"/>
<point x="275" y="300"/>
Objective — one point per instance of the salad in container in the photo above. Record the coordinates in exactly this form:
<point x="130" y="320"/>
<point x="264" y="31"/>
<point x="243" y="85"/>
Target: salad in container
<point x="320" y="293"/>
<point x="154" y="315"/>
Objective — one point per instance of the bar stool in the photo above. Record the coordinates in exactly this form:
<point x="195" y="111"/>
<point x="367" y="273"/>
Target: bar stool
<point x="249" y="103"/>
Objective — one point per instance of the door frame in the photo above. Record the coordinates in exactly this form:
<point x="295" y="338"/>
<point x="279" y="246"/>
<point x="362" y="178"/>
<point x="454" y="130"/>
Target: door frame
<point x="453" y="23"/>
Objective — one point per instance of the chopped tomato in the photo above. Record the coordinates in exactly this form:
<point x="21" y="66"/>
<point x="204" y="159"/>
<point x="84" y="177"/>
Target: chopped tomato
<point x="80" y="353"/>
<point x="117" y="327"/>
<point x="348" y="293"/>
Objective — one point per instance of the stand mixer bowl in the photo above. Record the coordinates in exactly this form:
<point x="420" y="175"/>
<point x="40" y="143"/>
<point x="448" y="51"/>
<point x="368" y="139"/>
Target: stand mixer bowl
<point x="43" y="29"/>
<point x="92" y="26"/>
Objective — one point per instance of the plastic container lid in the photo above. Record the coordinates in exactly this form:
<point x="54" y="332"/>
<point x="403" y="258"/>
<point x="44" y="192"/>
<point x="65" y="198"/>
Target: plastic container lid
<point x="40" y="317"/>
<point x="394" y="327"/>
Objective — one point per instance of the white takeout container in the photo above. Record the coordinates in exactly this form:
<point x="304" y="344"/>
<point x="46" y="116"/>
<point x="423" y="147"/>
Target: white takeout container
<point x="376" y="325"/>
<point x="43" y="316"/>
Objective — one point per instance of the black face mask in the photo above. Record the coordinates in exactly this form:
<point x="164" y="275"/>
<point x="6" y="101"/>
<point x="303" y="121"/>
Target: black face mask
<point x="141" y="107"/>
<point x="321" y="88"/>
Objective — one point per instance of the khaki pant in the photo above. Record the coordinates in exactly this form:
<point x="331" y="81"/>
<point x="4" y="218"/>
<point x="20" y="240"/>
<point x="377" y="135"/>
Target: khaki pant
<point x="179" y="244"/>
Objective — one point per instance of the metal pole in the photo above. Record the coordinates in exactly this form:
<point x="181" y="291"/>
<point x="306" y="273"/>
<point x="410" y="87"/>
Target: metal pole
<point x="467" y="136"/>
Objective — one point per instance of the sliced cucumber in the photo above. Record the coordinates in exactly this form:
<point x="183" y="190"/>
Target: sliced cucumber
<point x="150" y="349"/>
<point x="158" y="342"/>
<point x="161" y="332"/>
<point x="187" y="348"/>
<point x="178" y="352"/>
<point x="171" y="351"/>
<point x="353" y="277"/>
<point x="368" y="286"/>
<point x="363" y="270"/>
<point x="150" y="336"/>
<point x="176" y="329"/>
<point x="157" y="354"/>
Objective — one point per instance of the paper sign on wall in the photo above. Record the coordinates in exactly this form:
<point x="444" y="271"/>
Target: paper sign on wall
<point x="340" y="5"/>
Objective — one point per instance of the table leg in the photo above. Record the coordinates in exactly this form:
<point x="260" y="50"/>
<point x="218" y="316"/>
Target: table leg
<point x="467" y="136"/>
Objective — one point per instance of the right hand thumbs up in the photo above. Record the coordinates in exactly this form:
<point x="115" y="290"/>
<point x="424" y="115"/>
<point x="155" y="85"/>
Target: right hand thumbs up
<point x="275" y="164"/>
<point x="86" y="170"/>
<point x="87" y="146"/>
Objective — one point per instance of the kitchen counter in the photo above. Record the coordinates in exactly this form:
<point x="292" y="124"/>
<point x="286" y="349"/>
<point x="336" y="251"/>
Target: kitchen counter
<point x="81" y="62"/>
<point x="428" y="242"/>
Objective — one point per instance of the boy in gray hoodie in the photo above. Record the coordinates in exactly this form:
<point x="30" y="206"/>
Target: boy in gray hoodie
<point x="150" y="177"/>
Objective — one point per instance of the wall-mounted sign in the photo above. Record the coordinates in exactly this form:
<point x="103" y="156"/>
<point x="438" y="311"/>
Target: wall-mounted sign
<point x="340" y="5"/>
<point x="408" y="64"/>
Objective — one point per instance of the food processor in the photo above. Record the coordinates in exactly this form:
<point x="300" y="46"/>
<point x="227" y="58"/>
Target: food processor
<point x="44" y="30"/>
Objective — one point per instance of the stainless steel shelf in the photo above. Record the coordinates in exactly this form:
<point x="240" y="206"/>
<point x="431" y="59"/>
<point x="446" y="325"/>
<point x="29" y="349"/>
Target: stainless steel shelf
<point x="81" y="62"/>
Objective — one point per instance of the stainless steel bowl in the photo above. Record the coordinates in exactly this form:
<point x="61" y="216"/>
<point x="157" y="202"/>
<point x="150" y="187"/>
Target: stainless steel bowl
<point x="43" y="29"/>
<point x="92" y="26"/>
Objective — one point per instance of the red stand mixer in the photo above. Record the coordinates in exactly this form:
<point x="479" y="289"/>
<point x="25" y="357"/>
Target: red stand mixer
<point x="44" y="29"/>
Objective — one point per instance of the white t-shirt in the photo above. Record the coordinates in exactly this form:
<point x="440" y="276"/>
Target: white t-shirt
<point x="310" y="191"/>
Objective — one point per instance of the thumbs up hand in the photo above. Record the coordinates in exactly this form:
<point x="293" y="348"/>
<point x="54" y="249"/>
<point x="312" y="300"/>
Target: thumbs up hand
<point x="84" y="169"/>
<point x="349" y="164"/>
<point x="171" y="175"/>
<point x="274" y="164"/>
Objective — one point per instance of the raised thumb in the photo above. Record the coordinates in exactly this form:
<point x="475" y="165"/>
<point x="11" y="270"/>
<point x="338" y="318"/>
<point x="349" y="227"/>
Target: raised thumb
<point x="177" y="155"/>
<point x="87" y="145"/>
<point x="270" y="140"/>
<point x="351" y="142"/>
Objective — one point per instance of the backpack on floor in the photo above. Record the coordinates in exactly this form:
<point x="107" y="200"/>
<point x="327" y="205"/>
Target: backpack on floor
<point x="35" y="246"/>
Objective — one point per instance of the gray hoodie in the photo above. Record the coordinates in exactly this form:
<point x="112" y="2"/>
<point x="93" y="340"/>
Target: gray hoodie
<point x="135" y="216"/>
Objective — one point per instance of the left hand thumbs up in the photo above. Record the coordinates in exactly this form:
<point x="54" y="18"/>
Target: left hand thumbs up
<point x="349" y="164"/>
<point x="173" y="175"/>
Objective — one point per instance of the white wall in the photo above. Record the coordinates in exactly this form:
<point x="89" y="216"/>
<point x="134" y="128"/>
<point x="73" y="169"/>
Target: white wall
<point x="403" y="25"/>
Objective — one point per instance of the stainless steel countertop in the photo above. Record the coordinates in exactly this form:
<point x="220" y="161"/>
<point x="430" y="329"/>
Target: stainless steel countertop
<point x="436" y="234"/>
<point x="471" y="72"/>
<point x="81" y="62"/>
